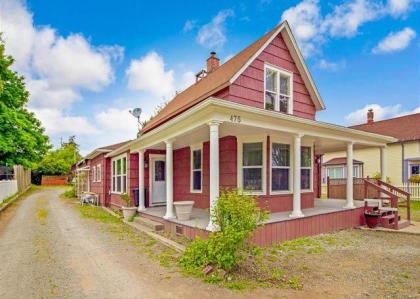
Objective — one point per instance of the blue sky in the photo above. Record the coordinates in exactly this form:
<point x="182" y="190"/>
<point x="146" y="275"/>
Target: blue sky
<point x="88" y="62"/>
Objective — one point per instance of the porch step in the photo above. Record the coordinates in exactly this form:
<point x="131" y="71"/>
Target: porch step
<point x="154" y="225"/>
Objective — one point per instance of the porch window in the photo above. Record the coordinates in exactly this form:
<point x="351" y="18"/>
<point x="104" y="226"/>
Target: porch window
<point x="196" y="170"/>
<point x="280" y="167"/>
<point x="306" y="167"/>
<point x="252" y="166"/>
<point x="336" y="172"/>
<point x="119" y="175"/>
<point x="98" y="173"/>
<point x="278" y="90"/>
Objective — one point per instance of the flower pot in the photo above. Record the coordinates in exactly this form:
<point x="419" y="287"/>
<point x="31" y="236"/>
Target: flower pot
<point x="183" y="209"/>
<point x="129" y="212"/>
<point x="372" y="219"/>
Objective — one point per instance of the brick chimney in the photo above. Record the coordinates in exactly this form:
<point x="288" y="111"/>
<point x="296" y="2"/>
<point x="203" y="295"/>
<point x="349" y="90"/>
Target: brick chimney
<point x="370" y="117"/>
<point x="212" y="62"/>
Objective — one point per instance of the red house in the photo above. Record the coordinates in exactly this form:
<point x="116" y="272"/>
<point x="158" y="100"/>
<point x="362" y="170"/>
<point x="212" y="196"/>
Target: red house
<point x="250" y="124"/>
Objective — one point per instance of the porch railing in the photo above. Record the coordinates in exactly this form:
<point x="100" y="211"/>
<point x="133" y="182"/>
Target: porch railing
<point x="402" y="196"/>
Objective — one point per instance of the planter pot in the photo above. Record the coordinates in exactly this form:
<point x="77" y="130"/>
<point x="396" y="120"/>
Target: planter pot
<point x="129" y="212"/>
<point x="372" y="220"/>
<point x="183" y="209"/>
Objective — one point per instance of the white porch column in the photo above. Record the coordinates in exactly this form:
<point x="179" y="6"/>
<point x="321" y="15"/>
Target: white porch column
<point x="383" y="163"/>
<point x="214" y="171"/>
<point x="349" y="181"/>
<point x="142" y="206"/>
<point x="297" y="212"/>
<point x="169" y="181"/>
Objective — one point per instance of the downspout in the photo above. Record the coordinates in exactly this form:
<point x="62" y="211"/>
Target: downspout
<point x="403" y="171"/>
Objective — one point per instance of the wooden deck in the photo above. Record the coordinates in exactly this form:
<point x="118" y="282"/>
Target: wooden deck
<point x="327" y="216"/>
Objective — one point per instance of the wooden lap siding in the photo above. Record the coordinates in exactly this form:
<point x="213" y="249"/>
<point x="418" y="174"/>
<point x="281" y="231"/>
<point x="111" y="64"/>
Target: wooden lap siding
<point x="248" y="89"/>
<point x="98" y="187"/>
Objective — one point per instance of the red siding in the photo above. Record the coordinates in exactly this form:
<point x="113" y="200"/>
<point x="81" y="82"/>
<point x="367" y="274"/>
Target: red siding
<point x="248" y="89"/>
<point x="98" y="187"/>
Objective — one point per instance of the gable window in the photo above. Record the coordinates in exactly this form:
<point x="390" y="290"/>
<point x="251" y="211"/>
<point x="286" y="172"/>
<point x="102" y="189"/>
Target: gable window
<point x="278" y="90"/>
<point x="280" y="167"/>
<point x="306" y="167"/>
<point x="119" y="174"/>
<point x="196" y="170"/>
<point x="98" y="173"/>
<point x="252" y="166"/>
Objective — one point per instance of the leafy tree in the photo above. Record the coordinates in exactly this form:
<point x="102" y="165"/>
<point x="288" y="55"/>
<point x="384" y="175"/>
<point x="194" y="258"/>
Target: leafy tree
<point x="22" y="138"/>
<point x="58" y="161"/>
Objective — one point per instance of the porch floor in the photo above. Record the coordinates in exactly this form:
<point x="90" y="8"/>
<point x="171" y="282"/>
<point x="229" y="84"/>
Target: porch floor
<point x="200" y="217"/>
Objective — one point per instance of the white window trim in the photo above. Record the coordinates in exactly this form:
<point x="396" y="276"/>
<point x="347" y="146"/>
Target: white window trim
<point x="252" y="139"/>
<point x="113" y="191"/>
<point x="98" y="172"/>
<point x="286" y="73"/>
<point x="311" y="179"/>
<point x="94" y="174"/>
<point x="192" y="149"/>
<point x="279" y="140"/>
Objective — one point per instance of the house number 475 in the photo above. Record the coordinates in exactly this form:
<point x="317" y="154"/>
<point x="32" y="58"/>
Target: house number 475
<point x="235" y="119"/>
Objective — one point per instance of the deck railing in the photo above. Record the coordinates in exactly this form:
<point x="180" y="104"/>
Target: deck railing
<point x="400" y="194"/>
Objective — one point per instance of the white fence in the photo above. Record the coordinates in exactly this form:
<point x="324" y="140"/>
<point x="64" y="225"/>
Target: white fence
<point x="413" y="189"/>
<point x="7" y="188"/>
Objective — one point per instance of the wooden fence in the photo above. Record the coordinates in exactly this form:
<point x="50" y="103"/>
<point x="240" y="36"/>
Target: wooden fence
<point x="23" y="177"/>
<point x="412" y="188"/>
<point x="337" y="188"/>
<point x="7" y="189"/>
<point x="53" y="180"/>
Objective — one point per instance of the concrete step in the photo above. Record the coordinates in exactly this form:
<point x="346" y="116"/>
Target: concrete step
<point x="154" y="225"/>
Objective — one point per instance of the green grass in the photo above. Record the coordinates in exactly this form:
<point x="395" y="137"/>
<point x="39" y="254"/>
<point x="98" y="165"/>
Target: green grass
<point x="414" y="209"/>
<point x="7" y="199"/>
<point x="97" y="213"/>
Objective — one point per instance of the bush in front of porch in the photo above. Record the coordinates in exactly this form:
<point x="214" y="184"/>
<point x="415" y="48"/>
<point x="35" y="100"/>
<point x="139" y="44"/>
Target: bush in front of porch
<point x="237" y="215"/>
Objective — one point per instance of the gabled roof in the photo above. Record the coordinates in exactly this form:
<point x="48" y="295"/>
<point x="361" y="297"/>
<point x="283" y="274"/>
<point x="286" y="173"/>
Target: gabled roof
<point x="105" y="149"/>
<point x="340" y="161"/>
<point x="404" y="128"/>
<point x="228" y="72"/>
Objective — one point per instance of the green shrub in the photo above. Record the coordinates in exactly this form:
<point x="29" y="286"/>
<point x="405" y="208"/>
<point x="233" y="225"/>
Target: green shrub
<point x="237" y="215"/>
<point x="378" y="176"/>
<point x="70" y="193"/>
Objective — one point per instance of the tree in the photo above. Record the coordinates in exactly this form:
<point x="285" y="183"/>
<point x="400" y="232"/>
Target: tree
<point x="58" y="161"/>
<point x="22" y="138"/>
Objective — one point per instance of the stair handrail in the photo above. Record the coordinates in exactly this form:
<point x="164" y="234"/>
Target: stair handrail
<point x="405" y="193"/>
<point x="394" y="198"/>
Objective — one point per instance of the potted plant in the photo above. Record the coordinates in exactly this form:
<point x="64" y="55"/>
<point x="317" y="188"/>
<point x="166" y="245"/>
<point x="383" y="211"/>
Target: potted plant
<point x="183" y="209"/>
<point x="128" y="211"/>
<point x="372" y="218"/>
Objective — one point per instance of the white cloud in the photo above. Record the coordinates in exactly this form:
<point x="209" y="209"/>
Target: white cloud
<point x="189" y="25"/>
<point x="305" y="20"/>
<point x="188" y="78"/>
<point x="212" y="35"/>
<point x="398" y="7"/>
<point x="330" y="65"/>
<point x="148" y="74"/>
<point x="118" y="121"/>
<point x="380" y="112"/>
<point x="312" y="29"/>
<point x="58" y="123"/>
<point x="395" y="41"/>
<point x="56" y="68"/>
<point x="346" y="18"/>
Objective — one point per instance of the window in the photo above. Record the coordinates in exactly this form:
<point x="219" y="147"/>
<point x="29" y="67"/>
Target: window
<point x="278" y="90"/>
<point x="306" y="167"/>
<point x="119" y="175"/>
<point x="252" y="166"/>
<point x="196" y="170"/>
<point x="98" y="173"/>
<point x="280" y="167"/>
<point x="335" y="172"/>
<point x="414" y="169"/>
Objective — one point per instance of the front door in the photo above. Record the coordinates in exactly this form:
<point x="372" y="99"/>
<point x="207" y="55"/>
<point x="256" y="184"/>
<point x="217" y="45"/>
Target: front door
<point x="158" y="181"/>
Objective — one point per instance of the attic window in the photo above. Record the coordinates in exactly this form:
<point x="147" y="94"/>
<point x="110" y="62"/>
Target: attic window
<point x="278" y="89"/>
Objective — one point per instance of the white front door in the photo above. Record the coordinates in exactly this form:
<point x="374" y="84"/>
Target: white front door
<point x="158" y="181"/>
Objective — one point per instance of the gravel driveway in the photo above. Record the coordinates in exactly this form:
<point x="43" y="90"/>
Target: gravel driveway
<point x="48" y="251"/>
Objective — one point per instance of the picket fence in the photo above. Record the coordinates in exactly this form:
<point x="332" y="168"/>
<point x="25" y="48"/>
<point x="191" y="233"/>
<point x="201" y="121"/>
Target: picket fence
<point x="412" y="188"/>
